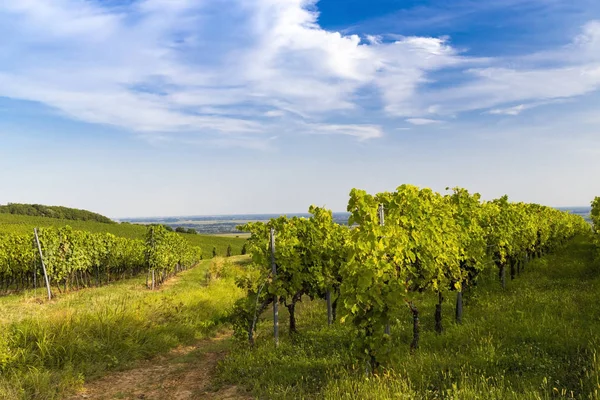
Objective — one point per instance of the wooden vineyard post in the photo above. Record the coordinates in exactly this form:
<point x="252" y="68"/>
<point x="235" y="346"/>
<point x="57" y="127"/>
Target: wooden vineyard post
<point x="275" y="300"/>
<point x="35" y="277"/>
<point x="459" y="306"/>
<point x="37" y="240"/>
<point x="438" y="313"/>
<point x="150" y="261"/>
<point x="414" y="345"/>
<point x="34" y="274"/>
<point x="329" y="309"/>
<point x="388" y="329"/>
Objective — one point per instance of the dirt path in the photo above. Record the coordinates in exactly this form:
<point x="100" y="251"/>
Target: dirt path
<point x="184" y="373"/>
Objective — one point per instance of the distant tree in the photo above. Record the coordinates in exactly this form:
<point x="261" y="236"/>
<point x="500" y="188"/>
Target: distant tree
<point x="180" y="229"/>
<point x="39" y="210"/>
<point x="169" y="228"/>
<point x="228" y="250"/>
<point x="214" y="251"/>
<point x="244" y="249"/>
<point x="192" y="231"/>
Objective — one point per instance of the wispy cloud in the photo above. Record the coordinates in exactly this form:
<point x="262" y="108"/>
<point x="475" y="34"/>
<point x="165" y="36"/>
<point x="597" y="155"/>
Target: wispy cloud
<point x="361" y="132"/>
<point x="423" y="121"/>
<point x="518" y="109"/>
<point x="574" y="71"/>
<point x="255" y="69"/>
<point x="165" y="66"/>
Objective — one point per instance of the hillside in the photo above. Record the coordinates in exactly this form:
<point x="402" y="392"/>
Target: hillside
<point x="10" y="223"/>
<point x="38" y="210"/>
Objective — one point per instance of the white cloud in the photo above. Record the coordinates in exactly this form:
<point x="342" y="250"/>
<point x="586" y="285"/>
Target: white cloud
<point x="274" y="113"/>
<point x="362" y="132"/>
<point x="518" y="109"/>
<point x="241" y="68"/>
<point x="533" y="80"/>
<point x="163" y="70"/>
<point x="423" y="121"/>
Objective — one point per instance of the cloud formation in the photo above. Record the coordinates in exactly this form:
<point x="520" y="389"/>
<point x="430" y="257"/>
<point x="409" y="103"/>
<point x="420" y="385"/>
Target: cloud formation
<point x="241" y="72"/>
<point x="423" y="121"/>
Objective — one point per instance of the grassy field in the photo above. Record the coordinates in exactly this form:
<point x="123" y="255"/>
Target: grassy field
<point x="48" y="349"/>
<point x="25" y="224"/>
<point x="538" y="339"/>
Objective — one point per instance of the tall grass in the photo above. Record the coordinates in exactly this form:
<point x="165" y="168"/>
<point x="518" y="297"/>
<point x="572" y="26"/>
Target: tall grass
<point x="49" y="349"/>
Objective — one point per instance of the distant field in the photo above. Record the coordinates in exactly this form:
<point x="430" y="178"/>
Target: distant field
<point x="223" y="224"/>
<point x="582" y="211"/>
<point x="226" y="225"/>
<point x="10" y="223"/>
<point x="244" y="235"/>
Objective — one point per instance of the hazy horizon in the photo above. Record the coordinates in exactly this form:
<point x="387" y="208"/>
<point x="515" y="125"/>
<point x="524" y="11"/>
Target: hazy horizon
<point x="258" y="214"/>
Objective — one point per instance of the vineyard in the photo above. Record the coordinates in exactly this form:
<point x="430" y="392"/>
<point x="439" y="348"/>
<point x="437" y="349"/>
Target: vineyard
<point x="397" y="246"/>
<point x="421" y="295"/>
<point x="77" y="259"/>
<point x="24" y="224"/>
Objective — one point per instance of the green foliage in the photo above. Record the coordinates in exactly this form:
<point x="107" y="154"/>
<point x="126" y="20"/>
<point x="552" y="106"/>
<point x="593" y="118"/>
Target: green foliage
<point x="80" y="259"/>
<point x="535" y="340"/>
<point x="467" y="211"/>
<point x="518" y="230"/>
<point x="53" y="212"/>
<point x="424" y="242"/>
<point x="595" y="214"/>
<point x="308" y="254"/>
<point x="167" y="251"/>
<point x="418" y="249"/>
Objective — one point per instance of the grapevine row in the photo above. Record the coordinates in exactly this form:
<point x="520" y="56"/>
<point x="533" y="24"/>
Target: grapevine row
<point x="396" y="245"/>
<point x="76" y="259"/>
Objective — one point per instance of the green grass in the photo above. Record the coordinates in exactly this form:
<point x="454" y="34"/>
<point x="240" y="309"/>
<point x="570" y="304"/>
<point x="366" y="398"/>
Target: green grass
<point x="538" y="339"/>
<point x="10" y="223"/>
<point x="48" y="349"/>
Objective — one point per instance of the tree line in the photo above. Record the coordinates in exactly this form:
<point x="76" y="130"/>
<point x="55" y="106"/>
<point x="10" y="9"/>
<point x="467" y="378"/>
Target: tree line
<point x="38" y="210"/>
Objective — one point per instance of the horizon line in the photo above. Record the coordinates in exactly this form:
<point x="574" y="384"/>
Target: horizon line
<point x="267" y="213"/>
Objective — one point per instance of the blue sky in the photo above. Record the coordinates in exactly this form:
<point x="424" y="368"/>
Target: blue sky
<point x="179" y="107"/>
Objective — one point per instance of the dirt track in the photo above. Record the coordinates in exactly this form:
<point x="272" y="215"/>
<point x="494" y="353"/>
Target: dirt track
<point x="184" y="373"/>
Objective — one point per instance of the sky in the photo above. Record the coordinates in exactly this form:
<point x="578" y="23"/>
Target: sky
<point x="138" y="108"/>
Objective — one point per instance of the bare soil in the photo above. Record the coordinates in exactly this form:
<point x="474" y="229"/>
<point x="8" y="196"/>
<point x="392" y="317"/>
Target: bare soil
<point x="183" y="374"/>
